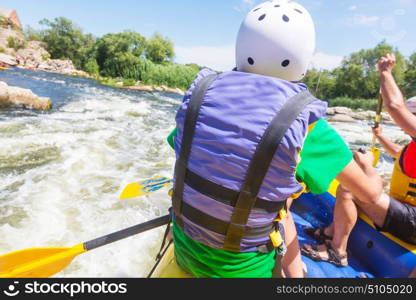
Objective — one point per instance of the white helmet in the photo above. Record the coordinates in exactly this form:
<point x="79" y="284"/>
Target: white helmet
<point x="277" y="38"/>
<point x="411" y="105"/>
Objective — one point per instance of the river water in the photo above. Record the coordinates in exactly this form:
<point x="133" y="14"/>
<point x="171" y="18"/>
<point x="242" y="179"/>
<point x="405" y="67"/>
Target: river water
<point x="61" y="171"/>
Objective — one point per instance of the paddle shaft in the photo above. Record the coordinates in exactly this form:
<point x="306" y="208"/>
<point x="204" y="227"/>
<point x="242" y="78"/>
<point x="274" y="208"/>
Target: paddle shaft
<point x="378" y="117"/>
<point x="319" y="82"/>
<point x="119" y="235"/>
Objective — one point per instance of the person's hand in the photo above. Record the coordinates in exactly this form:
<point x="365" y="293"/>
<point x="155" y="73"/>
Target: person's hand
<point x="364" y="159"/>
<point x="387" y="63"/>
<point x="377" y="131"/>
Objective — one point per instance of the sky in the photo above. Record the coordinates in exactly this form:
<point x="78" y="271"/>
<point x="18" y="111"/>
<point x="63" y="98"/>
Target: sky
<point x="204" y="32"/>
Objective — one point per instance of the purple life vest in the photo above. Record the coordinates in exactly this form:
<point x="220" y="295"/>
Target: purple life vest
<point x="235" y="114"/>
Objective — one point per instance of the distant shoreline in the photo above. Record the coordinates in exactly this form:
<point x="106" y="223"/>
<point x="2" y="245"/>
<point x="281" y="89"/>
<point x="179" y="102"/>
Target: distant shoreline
<point x="116" y="83"/>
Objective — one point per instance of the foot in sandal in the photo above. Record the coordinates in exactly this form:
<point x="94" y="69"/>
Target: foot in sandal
<point x="318" y="234"/>
<point x="326" y="253"/>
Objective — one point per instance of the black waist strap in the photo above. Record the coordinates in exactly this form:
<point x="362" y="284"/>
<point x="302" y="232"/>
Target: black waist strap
<point x="226" y="195"/>
<point x="221" y="227"/>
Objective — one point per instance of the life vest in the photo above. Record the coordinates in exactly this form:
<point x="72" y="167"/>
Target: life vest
<point x="237" y="146"/>
<point x="402" y="187"/>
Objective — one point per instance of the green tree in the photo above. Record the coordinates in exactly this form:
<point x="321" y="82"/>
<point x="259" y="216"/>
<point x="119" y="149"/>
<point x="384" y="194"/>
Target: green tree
<point x="159" y="49"/>
<point x="358" y="77"/>
<point x="92" y="67"/>
<point x="66" y="40"/>
<point x="321" y="83"/>
<point x="32" y="34"/>
<point x="113" y="44"/>
<point x="120" y="64"/>
<point x="126" y="65"/>
<point x="410" y="77"/>
<point x="87" y="50"/>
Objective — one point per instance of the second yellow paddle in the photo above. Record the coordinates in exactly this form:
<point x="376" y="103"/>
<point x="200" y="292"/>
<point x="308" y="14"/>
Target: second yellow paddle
<point x="144" y="187"/>
<point x="376" y="151"/>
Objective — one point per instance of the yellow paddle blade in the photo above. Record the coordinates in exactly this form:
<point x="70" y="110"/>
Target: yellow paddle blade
<point x="376" y="153"/>
<point x="145" y="187"/>
<point x="37" y="262"/>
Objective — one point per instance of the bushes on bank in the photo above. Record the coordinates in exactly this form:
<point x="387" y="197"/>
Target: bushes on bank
<point x="129" y="82"/>
<point x="171" y="75"/>
<point x="92" y="67"/>
<point x="126" y="65"/>
<point x="365" y="104"/>
<point x="15" y="43"/>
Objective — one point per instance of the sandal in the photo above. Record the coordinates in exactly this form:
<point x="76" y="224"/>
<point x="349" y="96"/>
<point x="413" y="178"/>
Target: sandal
<point x="318" y="234"/>
<point x="333" y="257"/>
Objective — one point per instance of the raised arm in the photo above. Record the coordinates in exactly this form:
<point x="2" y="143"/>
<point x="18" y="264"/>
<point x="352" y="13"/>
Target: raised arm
<point x="393" y="97"/>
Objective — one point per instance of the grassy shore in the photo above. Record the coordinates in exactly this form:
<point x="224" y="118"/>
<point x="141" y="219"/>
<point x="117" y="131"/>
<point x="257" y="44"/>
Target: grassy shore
<point x="128" y="84"/>
<point x="364" y="104"/>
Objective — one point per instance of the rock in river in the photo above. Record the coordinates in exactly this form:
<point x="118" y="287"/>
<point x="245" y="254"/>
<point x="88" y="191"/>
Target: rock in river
<point x="14" y="96"/>
<point x="342" y="118"/>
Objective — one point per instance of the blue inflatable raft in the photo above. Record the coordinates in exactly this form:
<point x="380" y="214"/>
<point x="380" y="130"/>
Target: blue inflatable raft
<point x="371" y="254"/>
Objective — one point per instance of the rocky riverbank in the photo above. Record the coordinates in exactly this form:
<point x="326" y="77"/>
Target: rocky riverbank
<point x="34" y="56"/>
<point x="31" y="54"/>
<point x="152" y="89"/>
<point x="15" y="96"/>
<point x="347" y="115"/>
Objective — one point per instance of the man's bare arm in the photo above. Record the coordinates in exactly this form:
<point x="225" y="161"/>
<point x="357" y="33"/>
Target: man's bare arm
<point x="391" y="148"/>
<point x="393" y="97"/>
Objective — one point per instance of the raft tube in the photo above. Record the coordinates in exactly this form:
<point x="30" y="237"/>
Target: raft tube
<point x="371" y="254"/>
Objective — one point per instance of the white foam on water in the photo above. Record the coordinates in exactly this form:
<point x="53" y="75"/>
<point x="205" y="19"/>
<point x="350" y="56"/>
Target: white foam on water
<point x="99" y="144"/>
<point x="359" y="135"/>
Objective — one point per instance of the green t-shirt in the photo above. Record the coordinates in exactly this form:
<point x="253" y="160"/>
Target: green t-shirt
<point x="324" y="155"/>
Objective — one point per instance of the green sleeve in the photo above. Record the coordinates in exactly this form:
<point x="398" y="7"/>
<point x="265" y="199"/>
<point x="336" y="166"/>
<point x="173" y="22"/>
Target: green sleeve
<point x="171" y="138"/>
<point x="323" y="157"/>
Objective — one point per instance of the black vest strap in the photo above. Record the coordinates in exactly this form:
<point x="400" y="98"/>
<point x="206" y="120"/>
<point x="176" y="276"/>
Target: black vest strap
<point x="225" y="195"/>
<point x="259" y="166"/>
<point x="191" y="118"/>
<point x="219" y="226"/>
<point x="401" y="158"/>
